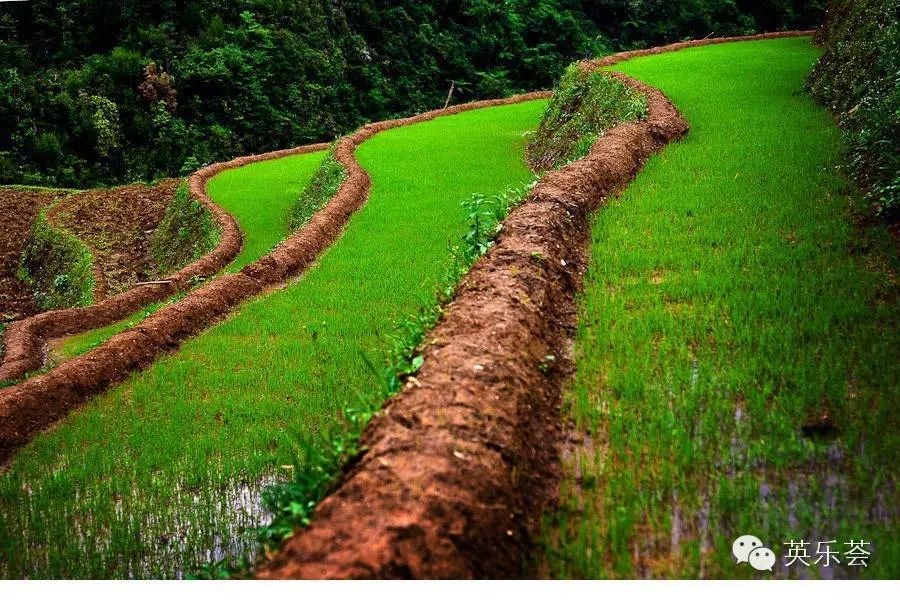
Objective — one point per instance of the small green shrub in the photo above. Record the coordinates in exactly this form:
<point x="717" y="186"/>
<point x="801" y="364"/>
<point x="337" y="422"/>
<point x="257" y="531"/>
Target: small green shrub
<point x="186" y="232"/>
<point x="858" y="78"/>
<point x="321" y="189"/>
<point x="583" y="107"/>
<point x="56" y="265"/>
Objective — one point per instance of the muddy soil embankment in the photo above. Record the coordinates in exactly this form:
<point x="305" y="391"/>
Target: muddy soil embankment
<point x="458" y="468"/>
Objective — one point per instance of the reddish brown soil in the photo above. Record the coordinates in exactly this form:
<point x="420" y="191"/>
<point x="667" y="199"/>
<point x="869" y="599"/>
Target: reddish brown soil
<point x="26" y="340"/>
<point x="117" y="223"/>
<point x="18" y="210"/>
<point x="458" y="467"/>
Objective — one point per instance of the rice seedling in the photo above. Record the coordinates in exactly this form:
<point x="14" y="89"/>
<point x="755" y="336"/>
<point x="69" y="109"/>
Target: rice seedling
<point x="737" y="352"/>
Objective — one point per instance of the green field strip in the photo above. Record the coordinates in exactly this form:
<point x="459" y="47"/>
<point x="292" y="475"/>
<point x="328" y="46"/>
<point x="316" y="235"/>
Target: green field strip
<point x="260" y="196"/>
<point x="730" y="301"/>
<point x="162" y="472"/>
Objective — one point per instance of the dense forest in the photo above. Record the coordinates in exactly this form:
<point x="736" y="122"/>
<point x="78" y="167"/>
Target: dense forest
<point x="110" y="91"/>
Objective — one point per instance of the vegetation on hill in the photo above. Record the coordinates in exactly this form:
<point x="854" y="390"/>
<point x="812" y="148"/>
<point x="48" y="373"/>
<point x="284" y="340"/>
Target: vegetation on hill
<point x="187" y="232"/>
<point x="57" y="266"/>
<point x="858" y="78"/>
<point x="105" y="92"/>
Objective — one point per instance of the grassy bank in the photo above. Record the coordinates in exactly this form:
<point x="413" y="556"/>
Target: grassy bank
<point x="163" y="472"/>
<point x="738" y="345"/>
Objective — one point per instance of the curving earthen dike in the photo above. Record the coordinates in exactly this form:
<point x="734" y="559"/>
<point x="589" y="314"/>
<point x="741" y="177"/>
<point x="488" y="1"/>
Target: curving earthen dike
<point x="458" y="467"/>
<point x="25" y="341"/>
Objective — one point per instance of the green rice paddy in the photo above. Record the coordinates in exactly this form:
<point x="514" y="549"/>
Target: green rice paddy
<point x="164" y="472"/>
<point x="259" y="196"/>
<point x="731" y="303"/>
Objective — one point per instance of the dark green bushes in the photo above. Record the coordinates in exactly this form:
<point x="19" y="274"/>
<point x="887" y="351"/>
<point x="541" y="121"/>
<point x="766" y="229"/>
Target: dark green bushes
<point x="57" y="266"/>
<point x="321" y="189"/>
<point x="858" y="78"/>
<point x="584" y="105"/>
<point x="186" y="232"/>
<point x="104" y="92"/>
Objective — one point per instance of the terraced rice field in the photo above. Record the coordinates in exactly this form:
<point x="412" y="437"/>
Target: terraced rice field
<point x="164" y="471"/>
<point x="259" y="196"/>
<point x="738" y="345"/>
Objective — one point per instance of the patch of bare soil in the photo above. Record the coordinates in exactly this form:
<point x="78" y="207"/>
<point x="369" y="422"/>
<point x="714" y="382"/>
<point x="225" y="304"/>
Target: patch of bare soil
<point x="26" y="340"/>
<point x="117" y="224"/>
<point x="18" y="210"/>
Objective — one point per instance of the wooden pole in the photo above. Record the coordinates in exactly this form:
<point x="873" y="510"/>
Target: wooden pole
<point x="449" y="94"/>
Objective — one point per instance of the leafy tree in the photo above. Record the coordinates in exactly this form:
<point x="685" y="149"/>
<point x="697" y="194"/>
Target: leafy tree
<point x="109" y="91"/>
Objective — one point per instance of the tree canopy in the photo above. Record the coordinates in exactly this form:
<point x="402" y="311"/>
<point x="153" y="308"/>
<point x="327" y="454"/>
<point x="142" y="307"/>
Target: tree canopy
<point x="110" y="91"/>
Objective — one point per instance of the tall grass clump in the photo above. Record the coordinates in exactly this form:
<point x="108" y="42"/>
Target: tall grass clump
<point x="56" y="265"/>
<point x="321" y="189"/>
<point x="583" y="107"/>
<point x="858" y="79"/>
<point x="186" y="232"/>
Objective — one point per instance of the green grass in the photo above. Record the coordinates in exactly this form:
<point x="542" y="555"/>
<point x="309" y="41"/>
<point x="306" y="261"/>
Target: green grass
<point x="162" y="472"/>
<point x="730" y="300"/>
<point x="260" y="196"/>
<point x="187" y="232"/>
<point x="585" y="104"/>
<point x="57" y="266"/>
<point x="75" y="345"/>
<point x="322" y="188"/>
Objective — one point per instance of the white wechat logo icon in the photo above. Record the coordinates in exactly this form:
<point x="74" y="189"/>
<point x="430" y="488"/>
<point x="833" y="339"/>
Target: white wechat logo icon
<point x="762" y="559"/>
<point x="749" y="548"/>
